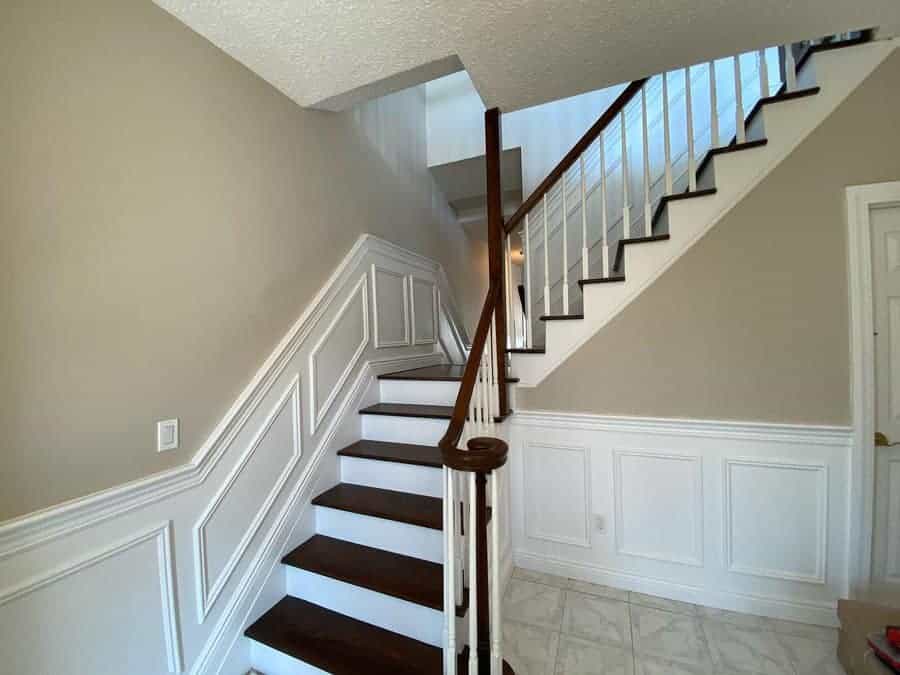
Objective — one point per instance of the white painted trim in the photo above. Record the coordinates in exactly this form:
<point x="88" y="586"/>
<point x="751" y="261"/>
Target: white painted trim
<point x="819" y="435"/>
<point x="379" y="343"/>
<point x="317" y="412"/>
<point x="208" y="593"/>
<point x="860" y="200"/>
<point x="820" y="575"/>
<point x="41" y="527"/>
<point x="162" y="535"/>
<point x="696" y="560"/>
<point x="588" y="509"/>
<point x="819" y="613"/>
<point x="413" y="280"/>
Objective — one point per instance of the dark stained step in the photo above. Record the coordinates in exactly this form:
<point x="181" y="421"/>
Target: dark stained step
<point x="660" y="206"/>
<point x="401" y="453"/>
<point x="601" y="280"/>
<point x="418" y="581"/>
<point x="439" y="373"/>
<point x="779" y="97"/>
<point x="402" y="507"/>
<point x="864" y="36"/>
<point x="562" y="317"/>
<point x="529" y="350"/>
<point x="343" y="646"/>
<point x="734" y="146"/>
<point x="434" y="412"/>
<point x="620" y="251"/>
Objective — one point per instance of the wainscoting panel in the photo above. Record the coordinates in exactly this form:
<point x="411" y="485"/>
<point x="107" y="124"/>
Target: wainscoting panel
<point x="424" y="310"/>
<point x="776" y="519"/>
<point x="659" y="506"/>
<point x="552" y="514"/>
<point x="338" y="351"/>
<point x="391" y="298"/>
<point x="62" y="621"/>
<point x="740" y="516"/>
<point x="98" y="585"/>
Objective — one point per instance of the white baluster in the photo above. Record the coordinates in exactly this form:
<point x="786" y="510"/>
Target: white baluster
<point x="713" y="108"/>
<point x="604" y="224"/>
<point x="546" y="261"/>
<point x="689" y="113"/>
<point x="449" y="574"/>
<point x="529" y="308"/>
<point x="585" y="272"/>
<point x="740" y="131"/>
<point x="667" y="134"/>
<point x="460" y="548"/>
<point x="763" y="74"/>
<point x="473" y="580"/>
<point x="790" y="68"/>
<point x="565" y="246"/>
<point x="648" y="225"/>
<point x="626" y="207"/>
<point x="496" y="618"/>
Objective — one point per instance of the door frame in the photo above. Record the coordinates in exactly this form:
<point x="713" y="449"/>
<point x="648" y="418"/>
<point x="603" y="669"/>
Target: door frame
<point x="861" y="199"/>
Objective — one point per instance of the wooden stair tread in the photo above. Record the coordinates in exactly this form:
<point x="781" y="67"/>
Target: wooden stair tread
<point x="400" y="453"/>
<point x="562" y="317"/>
<point x="402" y="507"/>
<point x="620" y="251"/>
<point x="734" y="146"/>
<point x="343" y="646"/>
<point x="602" y="280"/>
<point x="435" y="412"/>
<point x="528" y="350"/>
<point x="445" y="372"/>
<point x="782" y="95"/>
<point x="660" y="207"/>
<point x="399" y="576"/>
<point x="338" y="644"/>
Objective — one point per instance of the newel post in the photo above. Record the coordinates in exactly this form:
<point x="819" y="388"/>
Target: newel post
<point x="493" y="142"/>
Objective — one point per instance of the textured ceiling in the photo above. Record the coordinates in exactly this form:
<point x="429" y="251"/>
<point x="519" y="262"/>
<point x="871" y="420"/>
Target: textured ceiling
<point x="333" y="54"/>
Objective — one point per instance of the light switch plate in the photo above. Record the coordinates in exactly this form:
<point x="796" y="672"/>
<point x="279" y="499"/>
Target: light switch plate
<point x="166" y="435"/>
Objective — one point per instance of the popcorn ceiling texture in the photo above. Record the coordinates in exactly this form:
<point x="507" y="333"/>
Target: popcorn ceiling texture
<point x="326" y="53"/>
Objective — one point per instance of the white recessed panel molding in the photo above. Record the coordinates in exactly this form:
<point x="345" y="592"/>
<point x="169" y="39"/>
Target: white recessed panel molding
<point x="338" y="352"/>
<point x="776" y="519"/>
<point x="659" y="506"/>
<point x="424" y="310"/>
<point x="391" y="308"/>
<point x="558" y="495"/>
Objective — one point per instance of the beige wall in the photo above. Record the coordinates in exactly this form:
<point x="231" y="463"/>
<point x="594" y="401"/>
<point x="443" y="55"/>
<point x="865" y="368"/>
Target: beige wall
<point x="752" y="322"/>
<point x="165" y="216"/>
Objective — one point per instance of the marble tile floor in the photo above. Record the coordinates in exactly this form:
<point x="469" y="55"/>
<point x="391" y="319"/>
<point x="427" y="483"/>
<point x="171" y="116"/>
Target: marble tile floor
<point x="557" y="626"/>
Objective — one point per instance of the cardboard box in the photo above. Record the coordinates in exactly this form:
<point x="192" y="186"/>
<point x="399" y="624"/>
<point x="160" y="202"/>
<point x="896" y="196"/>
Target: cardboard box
<point x="858" y="619"/>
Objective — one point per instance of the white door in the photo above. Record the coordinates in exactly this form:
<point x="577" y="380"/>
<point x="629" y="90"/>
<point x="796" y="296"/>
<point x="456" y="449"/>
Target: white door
<point x="886" y="298"/>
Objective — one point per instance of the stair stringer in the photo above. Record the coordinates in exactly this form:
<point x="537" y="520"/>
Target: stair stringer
<point x="786" y="124"/>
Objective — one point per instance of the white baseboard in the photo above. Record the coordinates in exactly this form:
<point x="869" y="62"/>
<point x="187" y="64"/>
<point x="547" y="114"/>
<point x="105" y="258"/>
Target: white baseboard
<point x="823" y="614"/>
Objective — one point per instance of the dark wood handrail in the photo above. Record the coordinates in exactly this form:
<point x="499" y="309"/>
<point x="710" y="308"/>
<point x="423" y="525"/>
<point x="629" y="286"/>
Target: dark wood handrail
<point x="577" y="150"/>
<point x="448" y="444"/>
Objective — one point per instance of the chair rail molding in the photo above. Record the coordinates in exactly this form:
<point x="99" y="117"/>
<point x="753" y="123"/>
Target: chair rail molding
<point x="860" y="200"/>
<point x="262" y="461"/>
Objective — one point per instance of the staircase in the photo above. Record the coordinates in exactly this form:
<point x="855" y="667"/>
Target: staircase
<point x="593" y="240"/>
<point x="365" y="593"/>
<point x="403" y="572"/>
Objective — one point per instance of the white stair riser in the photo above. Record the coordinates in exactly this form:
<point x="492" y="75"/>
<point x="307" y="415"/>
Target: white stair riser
<point x="403" y="429"/>
<point x="388" y="535"/>
<point x="419" y="480"/>
<point x="393" y="614"/>
<point x="273" y="662"/>
<point x="419" y="391"/>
